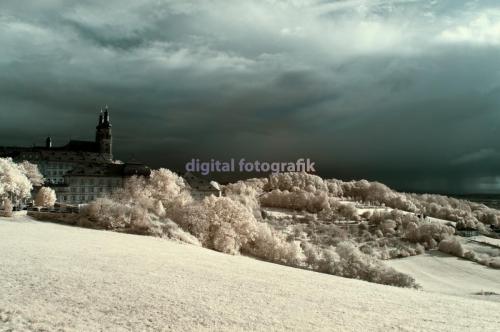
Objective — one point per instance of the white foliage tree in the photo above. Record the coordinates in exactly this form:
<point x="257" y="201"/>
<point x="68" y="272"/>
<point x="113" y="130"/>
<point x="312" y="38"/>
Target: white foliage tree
<point x="246" y="193"/>
<point x="14" y="184"/>
<point x="452" y="246"/>
<point x="296" y="200"/>
<point x="45" y="197"/>
<point x="32" y="173"/>
<point x="296" y="181"/>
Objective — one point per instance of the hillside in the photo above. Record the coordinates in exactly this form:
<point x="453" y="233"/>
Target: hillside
<point x="441" y="273"/>
<point x="73" y="279"/>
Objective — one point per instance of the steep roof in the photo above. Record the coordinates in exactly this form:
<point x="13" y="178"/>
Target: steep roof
<point x="74" y="151"/>
<point x="109" y="170"/>
<point x="200" y="183"/>
<point x="85" y="146"/>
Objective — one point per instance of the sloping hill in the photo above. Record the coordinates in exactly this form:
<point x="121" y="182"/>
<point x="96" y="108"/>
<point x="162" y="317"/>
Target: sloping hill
<point x="59" y="277"/>
<point x="441" y="273"/>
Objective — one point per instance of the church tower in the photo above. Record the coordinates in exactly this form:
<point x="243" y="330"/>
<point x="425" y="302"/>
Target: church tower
<point x="103" y="136"/>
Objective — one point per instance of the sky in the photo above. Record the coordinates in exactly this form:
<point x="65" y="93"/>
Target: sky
<point x="399" y="91"/>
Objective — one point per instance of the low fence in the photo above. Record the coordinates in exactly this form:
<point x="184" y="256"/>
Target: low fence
<point x="5" y="214"/>
<point x="67" y="218"/>
<point x="12" y="214"/>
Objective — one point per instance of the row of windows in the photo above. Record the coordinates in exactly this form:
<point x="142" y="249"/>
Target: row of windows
<point x="54" y="173"/>
<point x="78" y="198"/>
<point x="55" y="165"/>
<point x="100" y="182"/>
<point x="55" y="180"/>
<point x="89" y="182"/>
<point x="90" y="190"/>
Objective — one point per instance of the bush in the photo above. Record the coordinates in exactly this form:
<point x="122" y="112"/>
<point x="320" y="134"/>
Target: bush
<point x="172" y="231"/>
<point x="45" y="197"/>
<point x="273" y="247"/>
<point x="246" y="193"/>
<point x="452" y="246"/>
<point x="108" y="214"/>
<point x="296" y="200"/>
<point x="219" y="223"/>
<point x="428" y="234"/>
<point x="295" y="182"/>
<point x="334" y="188"/>
<point x="7" y="208"/>
<point x="346" y="260"/>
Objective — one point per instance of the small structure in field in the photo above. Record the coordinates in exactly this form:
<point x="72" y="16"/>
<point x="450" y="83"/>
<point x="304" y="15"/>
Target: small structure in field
<point x="201" y="187"/>
<point x="467" y="232"/>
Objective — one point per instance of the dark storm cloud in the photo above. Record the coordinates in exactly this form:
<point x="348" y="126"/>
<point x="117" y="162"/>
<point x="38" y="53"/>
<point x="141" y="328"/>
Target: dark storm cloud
<point x="405" y="92"/>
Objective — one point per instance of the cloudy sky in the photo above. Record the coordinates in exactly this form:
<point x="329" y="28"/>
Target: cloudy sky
<point x="404" y="92"/>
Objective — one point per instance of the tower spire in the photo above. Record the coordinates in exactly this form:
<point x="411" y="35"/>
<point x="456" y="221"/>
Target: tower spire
<point x="106" y="115"/>
<point x="103" y="135"/>
<point x="100" y="118"/>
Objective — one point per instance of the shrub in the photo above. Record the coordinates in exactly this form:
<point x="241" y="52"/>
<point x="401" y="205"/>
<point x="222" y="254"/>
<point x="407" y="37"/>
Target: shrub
<point x="428" y="234"/>
<point x="220" y="223"/>
<point x="296" y="200"/>
<point x="348" y="261"/>
<point x="295" y="181"/>
<point x="7" y="207"/>
<point x="45" y="197"/>
<point x="246" y="194"/>
<point x="108" y="214"/>
<point x="334" y="187"/>
<point x="172" y="231"/>
<point x="452" y="246"/>
<point x="347" y="210"/>
<point x="273" y="247"/>
<point x="163" y="185"/>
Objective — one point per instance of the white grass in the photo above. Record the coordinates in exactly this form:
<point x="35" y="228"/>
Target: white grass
<point x="438" y="272"/>
<point x="486" y="240"/>
<point x="58" y="277"/>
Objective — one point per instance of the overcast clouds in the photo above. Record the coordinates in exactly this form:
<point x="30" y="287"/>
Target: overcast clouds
<point x="405" y="92"/>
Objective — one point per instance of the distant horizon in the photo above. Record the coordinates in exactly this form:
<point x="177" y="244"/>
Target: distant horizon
<point x="224" y="178"/>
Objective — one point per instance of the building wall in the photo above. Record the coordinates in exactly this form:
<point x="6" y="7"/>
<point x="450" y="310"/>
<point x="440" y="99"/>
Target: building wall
<point x="86" y="189"/>
<point x="54" y="171"/>
<point x="71" y="190"/>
